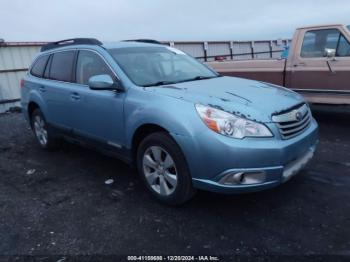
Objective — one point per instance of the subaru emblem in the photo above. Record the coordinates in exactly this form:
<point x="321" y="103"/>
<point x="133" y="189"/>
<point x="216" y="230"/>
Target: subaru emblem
<point x="298" y="116"/>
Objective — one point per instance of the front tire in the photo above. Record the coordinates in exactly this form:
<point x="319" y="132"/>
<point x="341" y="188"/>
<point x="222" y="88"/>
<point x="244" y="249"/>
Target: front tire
<point x="41" y="131"/>
<point x="164" y="169"/>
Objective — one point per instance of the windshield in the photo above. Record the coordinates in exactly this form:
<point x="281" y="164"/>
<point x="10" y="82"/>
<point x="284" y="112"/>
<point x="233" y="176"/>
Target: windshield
<point x="149" y="66"/>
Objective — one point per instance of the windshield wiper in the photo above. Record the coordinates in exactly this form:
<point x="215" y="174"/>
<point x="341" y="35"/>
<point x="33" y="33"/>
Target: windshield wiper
<point x="160" y="83"/>
<point x="199" y="78"/>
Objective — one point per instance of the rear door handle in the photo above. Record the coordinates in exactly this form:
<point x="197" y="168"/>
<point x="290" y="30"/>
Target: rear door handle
<point x="75" y="96"/>
<point x="42" y="89"/>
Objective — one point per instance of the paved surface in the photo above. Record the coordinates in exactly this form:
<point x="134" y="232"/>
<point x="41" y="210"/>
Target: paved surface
<point x="57" y="203"/>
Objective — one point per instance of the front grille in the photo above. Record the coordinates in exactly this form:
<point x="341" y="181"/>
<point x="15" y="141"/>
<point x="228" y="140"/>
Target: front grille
<point x="293" y="122"/>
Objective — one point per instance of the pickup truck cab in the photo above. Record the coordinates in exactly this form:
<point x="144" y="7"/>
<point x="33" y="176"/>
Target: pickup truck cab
<point x="317" y="66"/>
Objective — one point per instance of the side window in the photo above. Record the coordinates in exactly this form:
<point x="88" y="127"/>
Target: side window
<point x="62" y="66"/>
<point x="47" y="69"/>
<point x="90" y="64"/>
<point x="317" y="41"/>
<point x="343" y="47"/>
<point x="39" y="66"/>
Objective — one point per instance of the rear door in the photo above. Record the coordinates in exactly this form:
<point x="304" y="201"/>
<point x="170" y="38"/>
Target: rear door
<point x="36" y="82"/>
<point x="311" y="70"/>
<point x="58" y="89"/>
<point x="98" y="114"/>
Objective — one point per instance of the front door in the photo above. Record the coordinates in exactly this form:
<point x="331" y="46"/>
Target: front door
<point x="313" y="70"/>
<point x="98" y="114"/>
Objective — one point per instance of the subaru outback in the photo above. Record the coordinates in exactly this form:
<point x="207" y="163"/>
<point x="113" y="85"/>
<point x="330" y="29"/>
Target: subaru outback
<point x="184" y="126"/>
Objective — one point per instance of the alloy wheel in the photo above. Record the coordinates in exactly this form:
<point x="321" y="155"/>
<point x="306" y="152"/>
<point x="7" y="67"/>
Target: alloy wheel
<point x="160" y="170"/>
<point x="40" y="130"/>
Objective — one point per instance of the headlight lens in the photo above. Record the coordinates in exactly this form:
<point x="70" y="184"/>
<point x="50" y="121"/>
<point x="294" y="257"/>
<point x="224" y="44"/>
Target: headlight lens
<point x="231" y="125"/>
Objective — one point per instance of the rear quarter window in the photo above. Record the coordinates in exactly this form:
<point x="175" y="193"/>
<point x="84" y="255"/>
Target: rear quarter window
<point x="39" y="66"/>
<point x="62" y="66"/>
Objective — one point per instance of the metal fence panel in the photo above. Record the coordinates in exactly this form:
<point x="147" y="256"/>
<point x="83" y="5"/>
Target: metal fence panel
<point x="10" y="88"/>
<point x="262" y="49"/>
<point x="16" y="57"/>
<point x="240" y="48"/>
<point x="218" y="49"/>
<point x="193" y="49"/>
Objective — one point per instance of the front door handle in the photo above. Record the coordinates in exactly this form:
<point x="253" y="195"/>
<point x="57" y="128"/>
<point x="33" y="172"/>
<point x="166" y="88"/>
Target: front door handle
<point x="75" y="96"/>
<point x="331" y="70"/>
<point x="300" y="64"/>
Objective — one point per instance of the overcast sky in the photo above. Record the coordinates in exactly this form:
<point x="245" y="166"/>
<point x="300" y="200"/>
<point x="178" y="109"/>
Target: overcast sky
<point x="110" y="20"/>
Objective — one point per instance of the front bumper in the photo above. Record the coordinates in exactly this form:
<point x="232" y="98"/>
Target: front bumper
<point x="212" y="156"/>
<point x="273" y="175"/>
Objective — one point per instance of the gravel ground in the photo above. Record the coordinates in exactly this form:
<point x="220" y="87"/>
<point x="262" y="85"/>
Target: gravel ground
<point x="56" y="203"/>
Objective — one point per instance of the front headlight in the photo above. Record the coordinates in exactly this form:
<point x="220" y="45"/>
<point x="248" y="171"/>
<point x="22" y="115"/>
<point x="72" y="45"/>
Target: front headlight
<point x="231" y="125"/>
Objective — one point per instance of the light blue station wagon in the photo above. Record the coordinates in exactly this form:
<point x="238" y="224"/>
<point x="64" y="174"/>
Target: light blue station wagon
<point x="183" y="125"/>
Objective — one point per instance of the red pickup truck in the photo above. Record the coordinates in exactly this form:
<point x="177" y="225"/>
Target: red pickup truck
<point x="317" y="66"/>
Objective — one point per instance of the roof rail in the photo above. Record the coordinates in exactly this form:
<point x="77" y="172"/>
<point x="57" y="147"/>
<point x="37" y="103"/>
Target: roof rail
<point x="148" y="41"/>
<point x="73" y="41"/>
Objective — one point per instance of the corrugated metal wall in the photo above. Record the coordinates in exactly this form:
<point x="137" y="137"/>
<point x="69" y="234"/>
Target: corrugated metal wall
<point x="195" y="49"/>
<point x="14" y="61"/>
<point x="218" y="49"/>
<point x="15" y="58"/>
<point x="238" y="50"/>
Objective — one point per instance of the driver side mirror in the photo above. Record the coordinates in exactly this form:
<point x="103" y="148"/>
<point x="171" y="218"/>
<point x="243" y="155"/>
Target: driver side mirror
<point x="104" y="82"/>
<point x="329" y="53"/>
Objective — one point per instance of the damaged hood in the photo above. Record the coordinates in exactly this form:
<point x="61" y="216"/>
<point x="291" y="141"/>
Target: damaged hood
<point x="246" y="98"/>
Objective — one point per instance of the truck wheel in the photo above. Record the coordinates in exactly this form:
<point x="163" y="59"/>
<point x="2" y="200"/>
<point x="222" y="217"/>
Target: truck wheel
<point x="41" y="131"/>
<point x="164" y="169"/>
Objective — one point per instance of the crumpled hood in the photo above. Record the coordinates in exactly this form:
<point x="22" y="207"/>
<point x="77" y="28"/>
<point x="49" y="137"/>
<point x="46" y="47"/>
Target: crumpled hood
<point x="247" y="98"/>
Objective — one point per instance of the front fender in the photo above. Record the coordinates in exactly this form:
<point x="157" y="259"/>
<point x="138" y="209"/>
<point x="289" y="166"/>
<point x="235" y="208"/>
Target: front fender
<point x="177" y="116"/>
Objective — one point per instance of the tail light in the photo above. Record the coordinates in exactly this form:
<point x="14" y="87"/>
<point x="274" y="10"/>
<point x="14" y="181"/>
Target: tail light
<point x="21" y="83"/>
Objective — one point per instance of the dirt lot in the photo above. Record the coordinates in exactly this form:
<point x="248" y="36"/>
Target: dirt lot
<point x="56" y="203"/>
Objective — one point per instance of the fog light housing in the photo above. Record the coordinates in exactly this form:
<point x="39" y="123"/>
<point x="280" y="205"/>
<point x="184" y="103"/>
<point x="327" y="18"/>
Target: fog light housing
<point x="243" y="178"/>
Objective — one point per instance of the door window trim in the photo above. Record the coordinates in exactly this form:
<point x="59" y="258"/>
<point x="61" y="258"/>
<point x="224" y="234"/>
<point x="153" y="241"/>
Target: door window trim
<point x="336" y="51"/>
<point x="304" y="32"/>
<point x="71" y="73"/>
<point x="36" y="61"/>
<point x="74" y="64"/>
<point x="104" y="60"/>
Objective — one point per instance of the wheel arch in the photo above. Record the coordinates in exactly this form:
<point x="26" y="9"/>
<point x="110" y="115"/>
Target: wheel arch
<point x="36" y="101"/>
<point x="31" y="107"/>
<point x="143" y="131"/>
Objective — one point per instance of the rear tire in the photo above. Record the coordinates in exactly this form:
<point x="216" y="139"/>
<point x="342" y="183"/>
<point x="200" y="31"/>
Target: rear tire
<point x="164" y="169"/>
<point x="41" y="131"/>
